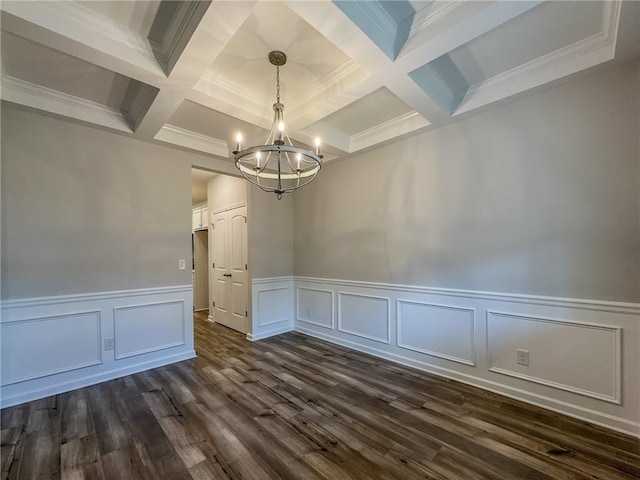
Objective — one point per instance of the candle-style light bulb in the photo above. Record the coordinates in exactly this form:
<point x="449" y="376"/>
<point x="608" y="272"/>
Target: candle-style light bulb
<point x="238" y="142"/>
<point x="299" y="159"/>
<point x="258" y="157"/>
<point x="317" y="145"/>
<point x="281" y="132"/>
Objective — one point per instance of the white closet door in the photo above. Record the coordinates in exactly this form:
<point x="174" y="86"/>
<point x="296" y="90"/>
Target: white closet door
<point x="230" y="268"/>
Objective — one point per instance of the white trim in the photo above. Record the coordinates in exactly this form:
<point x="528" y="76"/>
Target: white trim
<point x="92" y="379"/>
<point x="359" y="334"/>
<point x="264" y="290"/>
<point x="226" y="209"/>
<point x="107" y="304"/>
<point x="261" y="281"/>
<point x="432" y="14"/>
<point x="70" y="368"/>
<point x="269" y="333"/>
<point x="53" y="101"/>
<point x="578" y="56"/>
<point x="617" y="373"/>
<point x="193" y="140"/>
<point x="135" y="353"/>
<point x="338" y="76"/>
<point x="91" y="297"/>
<point x="213" y="81"/>
<point x="594" y="305"/>
<point x="472" y="348"/>
<point x="400" y="125"/>
<point x="333" y="308"/>
<point x="261" y="326"/>
<point x="573" y="402"/>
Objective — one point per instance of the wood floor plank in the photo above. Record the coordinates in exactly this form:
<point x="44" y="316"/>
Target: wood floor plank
<point x="296" y="407"/>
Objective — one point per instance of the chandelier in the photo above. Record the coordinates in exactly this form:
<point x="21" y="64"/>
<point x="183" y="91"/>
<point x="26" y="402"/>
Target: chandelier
<point x="278" y="166"/>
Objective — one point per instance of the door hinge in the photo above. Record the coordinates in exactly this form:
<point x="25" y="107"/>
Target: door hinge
<point x="213" y="265"/>
<point x="214" y="303"/>
<point x="246" y="313"/>
<point x="245" y="266"/>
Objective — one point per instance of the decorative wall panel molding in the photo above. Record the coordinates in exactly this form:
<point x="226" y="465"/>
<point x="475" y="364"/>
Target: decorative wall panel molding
<point x="365" y="316"/>
<point x="272" y="307"/>
<point x="272" y="304"/>
<point x="583" y="352"/>
<point x="579" y="357"/>
<point x="319" y="307"/>
<point x="55" y="344"/>
<point x="39" y="347"/>
<point x="140" y="329"/>
<point x="438" y="330"/>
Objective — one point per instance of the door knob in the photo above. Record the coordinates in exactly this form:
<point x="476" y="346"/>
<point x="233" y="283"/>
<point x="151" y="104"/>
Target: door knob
<point x="227" y="275"/>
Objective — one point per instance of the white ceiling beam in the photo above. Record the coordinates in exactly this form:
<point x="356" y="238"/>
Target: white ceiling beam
<point x="470" y="20"/>
<point x="77" y="31"/>
<point x="215" y="29"/>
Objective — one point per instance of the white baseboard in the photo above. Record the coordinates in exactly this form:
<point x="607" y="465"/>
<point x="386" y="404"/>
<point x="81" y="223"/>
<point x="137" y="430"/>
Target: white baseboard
<point x="269" y="333"/>
<point x="52" y="345"/>
<point x="86" y="381"/>
<point x="472" y="337"/>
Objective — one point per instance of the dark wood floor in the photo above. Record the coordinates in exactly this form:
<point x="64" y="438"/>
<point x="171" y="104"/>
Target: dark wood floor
<point x="298" y="408"/>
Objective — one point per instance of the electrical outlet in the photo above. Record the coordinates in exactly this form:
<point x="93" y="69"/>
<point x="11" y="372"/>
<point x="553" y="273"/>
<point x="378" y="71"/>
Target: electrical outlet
<point x="109" y="343"/>
<point x="182" y="264"/>
<point x="522" y="357"/>
<point x="309" y="312"/>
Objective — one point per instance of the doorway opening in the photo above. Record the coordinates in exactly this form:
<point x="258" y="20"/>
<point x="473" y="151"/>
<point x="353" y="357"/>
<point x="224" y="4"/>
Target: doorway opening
<point x="219" y="249"/>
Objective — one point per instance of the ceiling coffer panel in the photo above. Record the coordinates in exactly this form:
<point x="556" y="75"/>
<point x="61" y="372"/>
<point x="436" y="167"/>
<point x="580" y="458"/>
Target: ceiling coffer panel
<point x="359" y="72"/>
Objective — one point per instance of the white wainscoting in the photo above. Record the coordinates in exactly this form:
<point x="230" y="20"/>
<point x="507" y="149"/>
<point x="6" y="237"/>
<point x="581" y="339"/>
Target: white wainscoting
<point x="589" y="364"/>
<point x="56" y="344"/>
<point x="583" y="354"/>
<point x="365" y="316"/>
<point x="50" y="345"/>
<point x="316" y="307"/>
<point x="437" y="330"/>
<point x="272" y="307"/>
<point x="134" y="323"/>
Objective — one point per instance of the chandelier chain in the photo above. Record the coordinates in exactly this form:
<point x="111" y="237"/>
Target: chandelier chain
<point x="278" y="84"/>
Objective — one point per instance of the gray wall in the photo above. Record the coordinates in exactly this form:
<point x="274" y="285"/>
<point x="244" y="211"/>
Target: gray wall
<point x="85" y="210"/>
<point x="225" y="191"/>
<point x="270" y="234"/>
<point x="540" y="196"/>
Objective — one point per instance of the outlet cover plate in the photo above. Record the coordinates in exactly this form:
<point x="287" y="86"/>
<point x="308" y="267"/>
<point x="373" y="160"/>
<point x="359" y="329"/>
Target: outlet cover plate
<point x="109" y="343"/>
<point x="522" y="357"/>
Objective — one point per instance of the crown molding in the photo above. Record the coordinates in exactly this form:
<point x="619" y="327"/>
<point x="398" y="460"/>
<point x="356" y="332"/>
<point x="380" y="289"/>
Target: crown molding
<point x="195" y="141"/>
<point x="347" y="74"/>
<point x="432" y="14"/>
<point x="580" y="55"/>
<point x="53" y="101"/>
<point x="216" y="84"/>
<point x="384" y="131"/>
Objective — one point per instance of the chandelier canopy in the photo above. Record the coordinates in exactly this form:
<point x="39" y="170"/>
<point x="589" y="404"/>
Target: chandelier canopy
<point x="278" y="166"/>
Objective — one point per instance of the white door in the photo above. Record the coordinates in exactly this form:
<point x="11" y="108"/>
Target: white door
<point x="230" y="268"/>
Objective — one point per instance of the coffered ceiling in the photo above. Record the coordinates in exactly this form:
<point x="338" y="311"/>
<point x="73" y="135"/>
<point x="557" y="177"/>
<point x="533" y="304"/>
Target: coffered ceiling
<point x="359" y="73"/>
